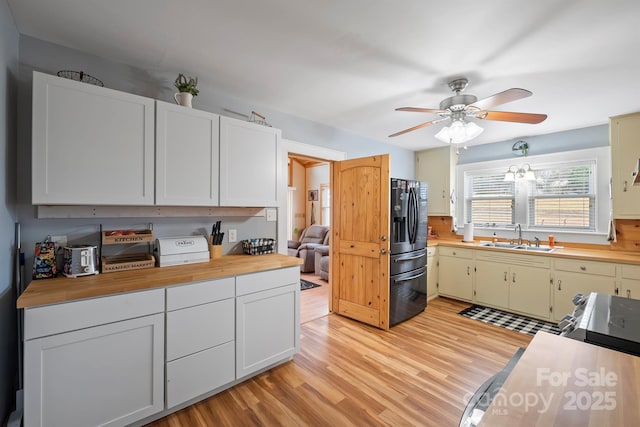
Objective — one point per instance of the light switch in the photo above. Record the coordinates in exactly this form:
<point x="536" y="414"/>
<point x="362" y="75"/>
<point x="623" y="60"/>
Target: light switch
<point x="272" y="215"/>
<point x="233" y="236"/>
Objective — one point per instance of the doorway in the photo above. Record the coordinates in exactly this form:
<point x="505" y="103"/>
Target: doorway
<point x="308" y="195"/>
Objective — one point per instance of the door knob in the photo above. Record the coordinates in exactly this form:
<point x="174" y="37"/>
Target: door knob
<point x="383" y="238"/>
<point x="383" y="251"/>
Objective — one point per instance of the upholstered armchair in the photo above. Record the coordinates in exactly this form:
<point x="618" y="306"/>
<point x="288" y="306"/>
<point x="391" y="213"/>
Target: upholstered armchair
<point x="322" y="262"/>
<point x="310" y="238"/>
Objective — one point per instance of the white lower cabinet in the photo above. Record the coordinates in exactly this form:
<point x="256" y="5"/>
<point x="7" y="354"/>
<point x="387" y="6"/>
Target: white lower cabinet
<point x="630" y="284"/>
<point x="575" y="276"/>
<point x="514" y="282"/>
<point x="200" y="338"/>
<point x="267" y="319"/>
<point x="455" y="273"/>
<point x="106" y="375"/>
<point x="432" y="273"/>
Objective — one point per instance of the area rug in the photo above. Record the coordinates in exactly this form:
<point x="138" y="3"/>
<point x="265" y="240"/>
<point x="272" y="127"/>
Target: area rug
<point x="304" y="285"/>
<point x="510" y="321"/>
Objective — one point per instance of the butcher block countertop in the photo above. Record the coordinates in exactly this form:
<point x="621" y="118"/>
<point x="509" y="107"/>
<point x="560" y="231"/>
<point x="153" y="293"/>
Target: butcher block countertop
<point x="64" y="289"/>
<point x="564" y="382"/>
<point x="622" y="257"/>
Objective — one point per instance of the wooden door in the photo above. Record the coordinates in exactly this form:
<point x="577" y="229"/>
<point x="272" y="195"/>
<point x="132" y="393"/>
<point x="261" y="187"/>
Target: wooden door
<point x="360" y="244"/>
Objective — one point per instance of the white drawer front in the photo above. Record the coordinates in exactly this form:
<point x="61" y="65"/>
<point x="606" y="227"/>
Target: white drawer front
<point x="57" y="318"/>
<point x="256" y="282"/>
<point x="199" y="293"/>
<point x="197" y="328"/>
<point x="431" y="251"/>
<point x="630" y="272"/>
<point x="456" y="252"/>
<point x="200" y="373"/>
<point x="587" y="267"/>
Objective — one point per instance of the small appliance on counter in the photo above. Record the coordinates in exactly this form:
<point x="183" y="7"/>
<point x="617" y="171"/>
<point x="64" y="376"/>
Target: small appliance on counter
<point x="182" y="250"/>
<point x="80" y="260"/>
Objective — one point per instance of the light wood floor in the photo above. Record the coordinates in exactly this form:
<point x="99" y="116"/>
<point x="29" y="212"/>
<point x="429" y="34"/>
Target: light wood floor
<point x="314" y="303"/>
<point x="349" y="374"/>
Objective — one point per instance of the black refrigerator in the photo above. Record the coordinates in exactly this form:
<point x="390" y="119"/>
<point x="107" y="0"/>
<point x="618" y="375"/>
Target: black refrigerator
<point x="408" y="249"/>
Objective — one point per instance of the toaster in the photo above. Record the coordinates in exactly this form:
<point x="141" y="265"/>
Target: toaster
<point x="80" y="260"/>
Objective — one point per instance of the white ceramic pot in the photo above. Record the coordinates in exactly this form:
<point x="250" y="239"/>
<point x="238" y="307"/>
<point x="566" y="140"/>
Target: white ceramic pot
<point x="183" y="98"/>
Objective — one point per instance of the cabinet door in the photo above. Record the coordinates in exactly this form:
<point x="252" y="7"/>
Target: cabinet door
<point x="266" y="328"/>
<point x="625" y="153"/>
<point x="187" y="156"/>
<point x="492" y="284"/>
<point x="432" y="277"/>
<point x="455" y="278"/>
<point x="90" y="145"/>
<point x="529" y="291"/>
<point x="248" y="164"/>
<point x="568" y="284"/>
<point x="436" y="167"/>
<point x="109" y="375"/>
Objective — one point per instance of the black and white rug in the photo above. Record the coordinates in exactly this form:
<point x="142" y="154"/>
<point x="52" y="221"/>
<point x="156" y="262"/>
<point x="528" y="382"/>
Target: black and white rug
<point x="510" y="321"/>
<point x="304" y="285"/>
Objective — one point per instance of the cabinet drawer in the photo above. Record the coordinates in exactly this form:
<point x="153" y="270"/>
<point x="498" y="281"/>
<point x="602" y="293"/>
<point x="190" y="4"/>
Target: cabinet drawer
<point x="200" y="373"/>
<point x="197" y="328"/>
<point x="256" y="282"/>
<point x="57" y="318"/>
<point x="200" y="293"/>
<point x="587" y="267"/>
<point x="431" y="251"/>
<point x="511" y="258"/>
<point x="456" y="252"/>
<point x="630" y="272"/>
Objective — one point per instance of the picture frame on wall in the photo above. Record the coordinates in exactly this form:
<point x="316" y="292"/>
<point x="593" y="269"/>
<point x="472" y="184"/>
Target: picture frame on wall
<point x="313" y="195"/>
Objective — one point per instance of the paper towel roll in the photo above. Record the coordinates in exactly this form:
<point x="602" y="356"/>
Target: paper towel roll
<point x="468" y="232"/>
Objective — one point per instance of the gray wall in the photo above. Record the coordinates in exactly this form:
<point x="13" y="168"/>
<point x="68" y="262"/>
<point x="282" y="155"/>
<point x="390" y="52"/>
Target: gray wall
<point x="576" y="139"/>
<point x="8" y="313"/>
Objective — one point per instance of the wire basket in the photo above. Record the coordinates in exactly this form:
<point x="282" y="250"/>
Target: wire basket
<point x="258" y="246"/>
<point x="80" y="76"/>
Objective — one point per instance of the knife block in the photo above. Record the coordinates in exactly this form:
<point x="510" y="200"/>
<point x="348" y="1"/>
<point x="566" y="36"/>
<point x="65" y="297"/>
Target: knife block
<point x="215" y="251"/>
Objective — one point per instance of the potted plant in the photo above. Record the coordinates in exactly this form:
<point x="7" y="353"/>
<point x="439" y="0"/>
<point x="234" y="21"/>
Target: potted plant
<point x="187" y="89"/>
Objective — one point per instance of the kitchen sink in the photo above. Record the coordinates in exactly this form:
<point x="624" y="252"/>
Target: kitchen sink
<point x="517" y="247"/>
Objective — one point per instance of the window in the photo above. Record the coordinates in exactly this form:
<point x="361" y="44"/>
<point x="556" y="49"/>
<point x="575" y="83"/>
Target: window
<point x="568" y="196"/>
<point x="489" y="199"/>
<point x="325" y="204"/>
<point x="563" y="197"/>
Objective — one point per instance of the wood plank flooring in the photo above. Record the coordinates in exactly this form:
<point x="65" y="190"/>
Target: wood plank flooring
<point x="314" y="303"/>
<point x="349" y="374"/>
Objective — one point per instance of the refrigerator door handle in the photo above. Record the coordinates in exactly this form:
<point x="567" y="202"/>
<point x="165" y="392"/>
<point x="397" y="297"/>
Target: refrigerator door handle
<point x="406" y="279"/>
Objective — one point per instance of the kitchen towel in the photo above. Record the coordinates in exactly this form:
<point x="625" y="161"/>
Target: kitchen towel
<point x="468" y="232"/>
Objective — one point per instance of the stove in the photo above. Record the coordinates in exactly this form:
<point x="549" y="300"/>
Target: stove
<point x="604" y="320"/>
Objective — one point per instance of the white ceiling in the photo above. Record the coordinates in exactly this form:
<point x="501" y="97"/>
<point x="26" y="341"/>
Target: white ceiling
<point x="350" y="63"/>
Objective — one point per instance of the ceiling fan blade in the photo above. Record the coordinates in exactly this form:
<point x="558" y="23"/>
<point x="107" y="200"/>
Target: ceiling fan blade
<point x="505" y="116"/>
<point x="421" y="110"/>
<point x="423" y="125"/>
<point x="508" y="95"/>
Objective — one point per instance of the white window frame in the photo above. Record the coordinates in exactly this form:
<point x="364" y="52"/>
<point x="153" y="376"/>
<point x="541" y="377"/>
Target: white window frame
<point x="602" y="158"/>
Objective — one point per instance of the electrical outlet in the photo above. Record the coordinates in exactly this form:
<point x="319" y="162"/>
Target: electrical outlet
<point x="272" y="215"/>
<point x="233" y="236"/>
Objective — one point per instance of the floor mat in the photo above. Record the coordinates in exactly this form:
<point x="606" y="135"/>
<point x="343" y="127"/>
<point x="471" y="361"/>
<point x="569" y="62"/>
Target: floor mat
<point x="304" y="285"/>
<point x="509" y="321"/>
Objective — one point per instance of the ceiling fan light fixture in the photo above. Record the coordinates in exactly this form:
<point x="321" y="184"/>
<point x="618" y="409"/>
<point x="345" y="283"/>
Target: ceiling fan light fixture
<point x="458" y="132"/>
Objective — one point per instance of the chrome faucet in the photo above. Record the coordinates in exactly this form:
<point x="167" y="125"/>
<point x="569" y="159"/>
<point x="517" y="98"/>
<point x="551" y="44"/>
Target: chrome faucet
<point x="519" y="231"/>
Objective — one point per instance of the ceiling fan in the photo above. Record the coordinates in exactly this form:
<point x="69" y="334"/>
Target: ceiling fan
<point x="460" y="106"/>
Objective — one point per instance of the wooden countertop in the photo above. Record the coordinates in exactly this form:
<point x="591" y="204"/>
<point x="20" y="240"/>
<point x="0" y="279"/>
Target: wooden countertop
<point x="612" y="398"/>
<point x="64" y="289"/>
<point x="622" y="257"/>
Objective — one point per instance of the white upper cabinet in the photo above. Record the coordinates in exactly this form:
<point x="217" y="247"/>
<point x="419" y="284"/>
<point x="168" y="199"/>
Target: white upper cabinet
<point x="437" y="167"/>
<point x="187" y="156"/>
<point x="90" y="145"/>
<point x="624" y="135"/>
<point x="248" y="163"/>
